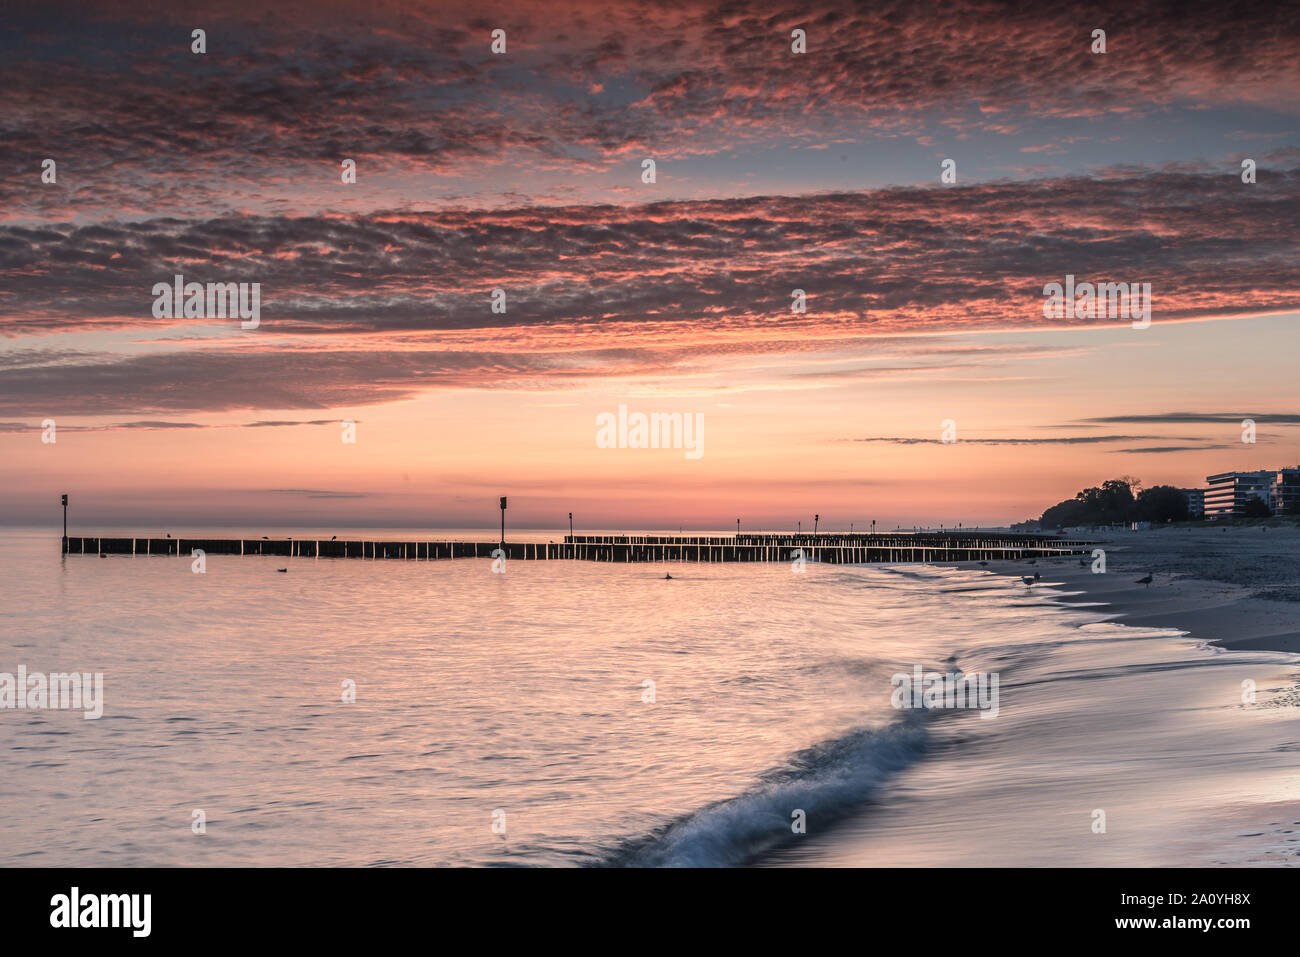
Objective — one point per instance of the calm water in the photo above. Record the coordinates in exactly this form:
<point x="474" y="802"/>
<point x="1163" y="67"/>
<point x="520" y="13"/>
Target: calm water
<point x="482" y="694"/>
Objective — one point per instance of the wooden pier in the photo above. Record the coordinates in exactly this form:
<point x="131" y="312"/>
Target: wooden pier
<point x="827" y="547"/>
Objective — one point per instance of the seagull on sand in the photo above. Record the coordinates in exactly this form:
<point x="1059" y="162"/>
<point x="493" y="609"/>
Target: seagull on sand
<point x="1027" y="580"/>
<point x="1145" y="581"/>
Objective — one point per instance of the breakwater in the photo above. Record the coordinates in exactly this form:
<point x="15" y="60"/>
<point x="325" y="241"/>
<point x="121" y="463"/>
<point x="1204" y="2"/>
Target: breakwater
<point x="829" y="547"/>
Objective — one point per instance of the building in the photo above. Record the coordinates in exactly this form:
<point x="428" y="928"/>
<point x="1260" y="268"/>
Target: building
<point x="1227" y="493"/>
<point x="1195" y="501"/>
<point x="1285" y="499"/>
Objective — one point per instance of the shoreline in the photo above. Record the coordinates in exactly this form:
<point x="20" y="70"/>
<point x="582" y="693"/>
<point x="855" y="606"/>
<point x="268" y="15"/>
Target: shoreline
<point x="1208" y="583"/>
<point x="1148" y="725"/>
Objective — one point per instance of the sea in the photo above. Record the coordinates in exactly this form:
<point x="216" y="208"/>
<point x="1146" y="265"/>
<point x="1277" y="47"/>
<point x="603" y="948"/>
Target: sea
<point x="388" y="713"/>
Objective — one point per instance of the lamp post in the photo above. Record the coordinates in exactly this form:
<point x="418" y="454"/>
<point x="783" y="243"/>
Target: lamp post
<point x="65" y="521"/>
<point x="737" y="526"/>
<point x="816" y="519"/>
<point x="503" y="522"/>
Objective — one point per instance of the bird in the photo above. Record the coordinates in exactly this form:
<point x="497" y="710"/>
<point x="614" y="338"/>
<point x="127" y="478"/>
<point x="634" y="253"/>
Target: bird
<point x="983" y="563"/>
<point x="169" y="534"/>
<point x="332" y="537"/>
<point x="1031" y="561"/>
<point x="668" y="578"/>
<point x="265" y="539"/>
<point x="1037" y="576"/>
<point x="282" y="569"/>
<point x="1145" y="581"/>
<point x="1027" y="580"/>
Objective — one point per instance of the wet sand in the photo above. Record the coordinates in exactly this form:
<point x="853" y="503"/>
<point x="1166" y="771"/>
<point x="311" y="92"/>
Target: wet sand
<point x="1143" y="723"/>
<point x="1238" y="587"/>
<point x="1234" y="587"/>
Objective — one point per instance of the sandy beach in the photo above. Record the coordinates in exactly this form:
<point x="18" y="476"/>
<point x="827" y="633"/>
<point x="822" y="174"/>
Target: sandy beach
<point x="1238" y="587"/>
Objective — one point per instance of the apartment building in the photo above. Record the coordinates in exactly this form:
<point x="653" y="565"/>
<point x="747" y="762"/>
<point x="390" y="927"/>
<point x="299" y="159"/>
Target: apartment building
<point x="1228" y="493"/>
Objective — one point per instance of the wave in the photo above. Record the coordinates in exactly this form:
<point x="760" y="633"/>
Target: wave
<point x="827" y="781"/>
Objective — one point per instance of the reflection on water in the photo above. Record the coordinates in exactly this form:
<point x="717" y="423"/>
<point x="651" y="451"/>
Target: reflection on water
<point x="602" y="715"/>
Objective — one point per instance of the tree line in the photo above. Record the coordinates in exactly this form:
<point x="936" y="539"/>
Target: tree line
<point x="1119" y="501"/>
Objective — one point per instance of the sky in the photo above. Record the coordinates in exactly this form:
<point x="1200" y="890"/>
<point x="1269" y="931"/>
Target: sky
<point x="523" y="171"/>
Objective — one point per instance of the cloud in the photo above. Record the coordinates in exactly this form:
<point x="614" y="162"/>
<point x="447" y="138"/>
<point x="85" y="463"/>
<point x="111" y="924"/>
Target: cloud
<point x="1045" y="440"/>
<point x="288" y="422"/>
<point x="364" y="309"/>
<point x="1156" y="449"/>
<point x="224" y="167"/>
<point x="901" y="259"/>
<point x="160" y="426"/>
<point x="1178" y="418"/>
<point x="317" y="493"/>
<point x="412" y="92"/>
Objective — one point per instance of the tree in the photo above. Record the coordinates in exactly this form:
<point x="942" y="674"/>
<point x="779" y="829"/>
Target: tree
<point x="1061" y="514"/>
<point x="1256" y="508"/>
<point x="1112" y="502"/>
<point x="1134" y="483"/>
<point x="1160" y="504"/>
